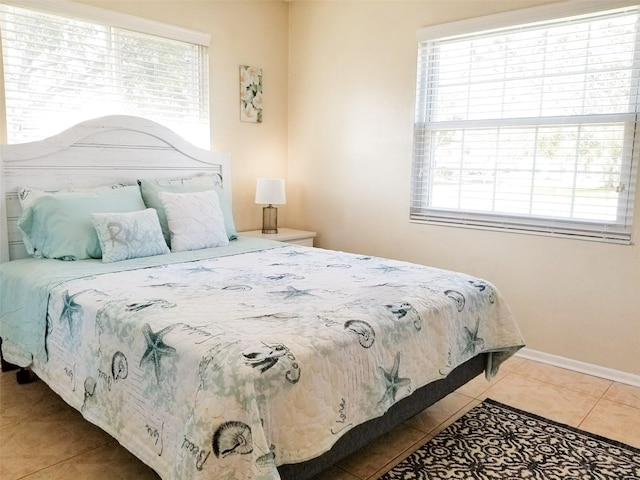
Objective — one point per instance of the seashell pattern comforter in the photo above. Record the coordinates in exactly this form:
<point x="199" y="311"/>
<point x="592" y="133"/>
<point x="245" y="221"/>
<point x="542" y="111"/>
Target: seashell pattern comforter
<point x="225" y="367"/>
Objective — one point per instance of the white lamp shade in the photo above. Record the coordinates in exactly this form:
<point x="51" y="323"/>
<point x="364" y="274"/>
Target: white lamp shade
<point x="270" y="191"/>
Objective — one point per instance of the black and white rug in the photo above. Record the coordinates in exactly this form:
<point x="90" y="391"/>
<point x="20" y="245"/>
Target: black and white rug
<point x="497" y="442"/>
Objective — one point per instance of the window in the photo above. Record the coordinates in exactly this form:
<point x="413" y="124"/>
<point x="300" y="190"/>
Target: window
<point x="60" y="70"/>
<point x="529" y="127"/>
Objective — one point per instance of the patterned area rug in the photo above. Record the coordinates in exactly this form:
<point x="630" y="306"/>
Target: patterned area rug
<point x="494" y="441"/>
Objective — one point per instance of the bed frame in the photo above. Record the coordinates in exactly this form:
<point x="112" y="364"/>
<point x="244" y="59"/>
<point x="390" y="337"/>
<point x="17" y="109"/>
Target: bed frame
<point x="120" y="149"/>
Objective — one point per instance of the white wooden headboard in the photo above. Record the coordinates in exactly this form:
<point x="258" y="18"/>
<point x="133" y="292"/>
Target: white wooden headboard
<point x="102" y="151"/>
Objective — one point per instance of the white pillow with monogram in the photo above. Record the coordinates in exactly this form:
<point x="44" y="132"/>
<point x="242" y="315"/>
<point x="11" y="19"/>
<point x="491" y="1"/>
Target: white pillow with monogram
<point x="129" y="235"/>
<point x="195" y="220"/>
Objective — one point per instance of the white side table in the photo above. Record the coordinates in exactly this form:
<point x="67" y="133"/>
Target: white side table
<point x="288" y="235"/>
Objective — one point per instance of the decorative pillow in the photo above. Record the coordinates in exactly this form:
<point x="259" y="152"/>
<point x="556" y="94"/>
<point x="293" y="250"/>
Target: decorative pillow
<point x="129" y="235"/>
<point x="59" y="225"/>
<point x="151" y="188"/>
<point x="195" y="220"/>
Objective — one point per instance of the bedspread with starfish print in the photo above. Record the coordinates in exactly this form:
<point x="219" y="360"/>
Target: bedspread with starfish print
<point x="227" y="367"/>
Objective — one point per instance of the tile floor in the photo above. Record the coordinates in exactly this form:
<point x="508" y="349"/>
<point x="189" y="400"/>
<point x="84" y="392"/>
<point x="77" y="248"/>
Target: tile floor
<point x="43" y="438"/>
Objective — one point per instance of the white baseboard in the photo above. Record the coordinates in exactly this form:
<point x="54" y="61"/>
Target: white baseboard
<point x="582" y="367"/>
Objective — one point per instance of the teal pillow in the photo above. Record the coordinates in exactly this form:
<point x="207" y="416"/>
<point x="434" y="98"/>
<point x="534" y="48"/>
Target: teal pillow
<point x="59" y="225"/>
<point x="129" y="235"/>
<point x="150" y="189"/>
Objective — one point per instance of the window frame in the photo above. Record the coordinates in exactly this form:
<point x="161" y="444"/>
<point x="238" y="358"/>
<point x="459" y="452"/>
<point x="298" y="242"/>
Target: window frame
<point x="421" y="212"/>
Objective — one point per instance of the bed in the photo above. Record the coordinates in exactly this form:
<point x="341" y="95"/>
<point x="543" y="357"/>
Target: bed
<point x="236" y="358"/>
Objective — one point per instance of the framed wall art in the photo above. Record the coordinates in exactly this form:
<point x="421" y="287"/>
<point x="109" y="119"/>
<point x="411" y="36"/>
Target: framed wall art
<point x="250" y="94"/>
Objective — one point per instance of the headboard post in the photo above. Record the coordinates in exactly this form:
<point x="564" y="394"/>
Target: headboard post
<point x="102" y="151"/>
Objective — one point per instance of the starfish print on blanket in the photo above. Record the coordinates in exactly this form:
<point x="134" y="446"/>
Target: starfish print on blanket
<point x="472" y="339"/>
<point x="200" y="269"/>
<point x="292" y="292"/>
<point x="70" y="308"/>
<point x="392" y="382"/>
<point x="388" y="269"/>
<point x="156" y="348"/>
<point x="294" y="253"/>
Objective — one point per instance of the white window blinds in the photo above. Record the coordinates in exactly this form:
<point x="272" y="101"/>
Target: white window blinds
<point x="60" y="70"/>
<point x="530" y="127"/>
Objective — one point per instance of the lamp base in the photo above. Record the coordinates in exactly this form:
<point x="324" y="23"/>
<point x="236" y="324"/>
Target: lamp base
<point x="270" y="220"/>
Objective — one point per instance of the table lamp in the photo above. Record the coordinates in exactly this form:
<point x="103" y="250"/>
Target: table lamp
<point x="270" y="191"/>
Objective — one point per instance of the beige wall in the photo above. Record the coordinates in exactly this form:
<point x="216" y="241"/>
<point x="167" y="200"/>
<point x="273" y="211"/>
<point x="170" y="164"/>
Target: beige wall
<point x="242" y="33"/>
<point x="351" y="102"/>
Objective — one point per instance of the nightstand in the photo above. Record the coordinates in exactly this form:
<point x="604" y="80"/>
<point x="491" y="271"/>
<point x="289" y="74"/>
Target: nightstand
<point x="288" y="235"/>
